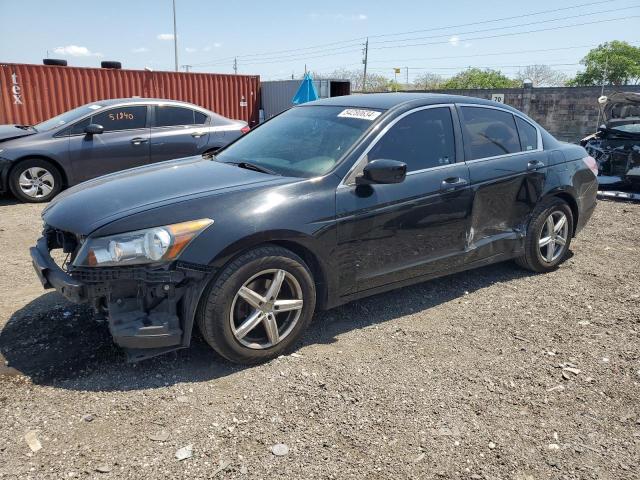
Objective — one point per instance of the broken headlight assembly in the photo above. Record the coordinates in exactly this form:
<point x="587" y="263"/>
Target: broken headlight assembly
<point x="151" y="245"/>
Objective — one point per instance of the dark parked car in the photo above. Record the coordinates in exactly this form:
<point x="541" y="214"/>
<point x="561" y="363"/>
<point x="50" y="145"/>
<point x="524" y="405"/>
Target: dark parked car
<point x="616" y="144"/>
<point x="326" y="203"/>
<point x="37" y="161"/>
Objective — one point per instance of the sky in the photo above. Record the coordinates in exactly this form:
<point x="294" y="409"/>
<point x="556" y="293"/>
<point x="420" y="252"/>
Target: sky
<point x="277" y="38"/>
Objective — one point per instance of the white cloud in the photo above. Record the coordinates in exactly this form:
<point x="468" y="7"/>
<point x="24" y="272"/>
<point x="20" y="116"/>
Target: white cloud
<point x="454" y="41"/>
<point x="165" y="36"/>
<point x="190" y="49"/>
<point x="76" y="51"/>
<point x="208" y="48"/>
<point x="468" y="44"/>
<point x="362" y="16"/>
<point x="140" y="50"/>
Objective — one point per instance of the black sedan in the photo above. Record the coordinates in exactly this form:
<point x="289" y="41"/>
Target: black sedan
<point x="324" y="204"/>
<point x="37" y="161"/>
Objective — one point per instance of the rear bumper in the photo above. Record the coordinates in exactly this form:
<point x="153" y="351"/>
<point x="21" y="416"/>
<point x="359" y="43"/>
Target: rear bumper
<point x="150" y="310"/>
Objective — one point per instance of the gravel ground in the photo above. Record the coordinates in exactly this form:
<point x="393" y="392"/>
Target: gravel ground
<point x="489" y="374"/>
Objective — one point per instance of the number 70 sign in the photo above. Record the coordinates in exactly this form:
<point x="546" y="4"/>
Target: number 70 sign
<point x="497" y="97"/>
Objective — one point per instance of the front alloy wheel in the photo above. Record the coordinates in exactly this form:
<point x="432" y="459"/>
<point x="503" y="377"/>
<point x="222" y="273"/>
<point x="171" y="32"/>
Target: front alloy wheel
<point x="258" y="305"/>
<point x="266" y="309"/>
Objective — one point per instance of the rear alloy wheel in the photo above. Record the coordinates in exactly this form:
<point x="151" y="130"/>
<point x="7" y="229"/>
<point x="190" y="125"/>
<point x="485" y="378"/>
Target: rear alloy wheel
<point x="548" y="236"/>
<point x="35" y="181"/>
<point x="258" y="306"/>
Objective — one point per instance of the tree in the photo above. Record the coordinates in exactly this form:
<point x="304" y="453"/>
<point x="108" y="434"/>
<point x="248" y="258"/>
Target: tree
<point x="477" y="78"/>
<point x="542" y="76"/>
<point x="614" y="63"/>
<point x="428" y="81"/>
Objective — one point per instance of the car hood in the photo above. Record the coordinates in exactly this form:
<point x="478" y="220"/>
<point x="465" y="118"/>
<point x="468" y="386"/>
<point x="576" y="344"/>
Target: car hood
<point x="621" y="108"/>
<point x="93" y="204"/>
<point x="9" y="132"/>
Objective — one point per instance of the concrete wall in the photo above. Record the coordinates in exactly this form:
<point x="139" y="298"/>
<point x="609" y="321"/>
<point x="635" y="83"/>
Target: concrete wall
<point x="568" y="113"/>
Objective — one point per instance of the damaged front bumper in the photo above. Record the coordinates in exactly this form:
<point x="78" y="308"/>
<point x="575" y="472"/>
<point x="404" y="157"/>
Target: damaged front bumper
<point x="151" y="310"/>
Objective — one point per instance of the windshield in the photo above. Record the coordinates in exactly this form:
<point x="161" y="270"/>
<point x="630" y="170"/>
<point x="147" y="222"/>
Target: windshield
<point x="67" y="117"/>
<point x="628" y="128"/>
<point x="303" y="141"/>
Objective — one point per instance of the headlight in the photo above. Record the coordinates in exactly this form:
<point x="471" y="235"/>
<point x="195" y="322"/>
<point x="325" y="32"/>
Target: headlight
<point x="158" y="244"/>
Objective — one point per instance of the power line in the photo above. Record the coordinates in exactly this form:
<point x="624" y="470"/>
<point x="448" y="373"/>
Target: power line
<point x="350" y="43"/>
<point x="560" y="27"/>
<point x="513" y="52"/>
<point x="481" y="67"/>
<point x="569" y="17"/>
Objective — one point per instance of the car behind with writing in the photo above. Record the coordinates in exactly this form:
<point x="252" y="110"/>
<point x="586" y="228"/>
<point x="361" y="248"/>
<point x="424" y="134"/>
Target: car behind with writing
<point x="326" y="203"/>
<point x="37" y="161"/>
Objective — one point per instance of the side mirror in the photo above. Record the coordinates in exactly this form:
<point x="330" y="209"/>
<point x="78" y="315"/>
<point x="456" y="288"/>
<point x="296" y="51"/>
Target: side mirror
<point x="382" y="171"/>
<point x="93" y="129"/>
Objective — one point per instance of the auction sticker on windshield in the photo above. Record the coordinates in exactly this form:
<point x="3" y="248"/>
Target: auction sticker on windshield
<point x="359" y="113"/>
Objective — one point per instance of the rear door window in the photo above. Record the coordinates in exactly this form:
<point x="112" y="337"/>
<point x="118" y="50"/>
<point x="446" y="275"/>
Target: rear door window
<point x="200" y="118"/>
<point x="423" y="139"/>
<point x="488" y="132"/>
<point x="528" y="135"/>
<point x="172" y="116"/>
<point x="122" y="118"/>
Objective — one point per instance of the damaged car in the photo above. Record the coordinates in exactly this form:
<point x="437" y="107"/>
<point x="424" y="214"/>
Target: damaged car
<point x="324" y="204"/>
<point x="616" y="144"/>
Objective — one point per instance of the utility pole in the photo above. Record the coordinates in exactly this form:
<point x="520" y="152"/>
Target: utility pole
<point x="175" y="35"/>
<point x="235" y="65"/>
<point x="365" y="60"/>
<point x="407" y="77"/>
<point x="187" y="68"/>
<point x="604" y="79"/>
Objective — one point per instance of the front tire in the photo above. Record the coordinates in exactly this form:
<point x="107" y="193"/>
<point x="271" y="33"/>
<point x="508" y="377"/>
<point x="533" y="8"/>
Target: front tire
<point x="35" y="180"/>
<point x="258" y="306"/>
<point x="548" y="236"/>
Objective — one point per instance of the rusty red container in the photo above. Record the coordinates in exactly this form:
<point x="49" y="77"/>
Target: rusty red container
<point x="33" y="93"/>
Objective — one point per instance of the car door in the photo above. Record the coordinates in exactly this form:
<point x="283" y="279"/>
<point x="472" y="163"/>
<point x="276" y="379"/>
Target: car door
<point x="507" y="169"/>
<point x="124" y="142"/>
<point x="177" y="132"/>
<point x="389" y="233"/>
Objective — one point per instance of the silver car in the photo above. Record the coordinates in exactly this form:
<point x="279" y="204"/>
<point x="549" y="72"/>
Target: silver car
<point x="102" y="137"/>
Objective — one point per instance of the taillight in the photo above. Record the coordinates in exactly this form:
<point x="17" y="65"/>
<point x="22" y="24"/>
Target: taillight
<point x="592" y="164"/>
<point x="245" y="129"/>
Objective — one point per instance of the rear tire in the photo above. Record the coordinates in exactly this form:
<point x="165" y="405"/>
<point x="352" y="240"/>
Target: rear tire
<point x="548" y="236"/>
<point x="245" y="317"/>
<point x="35" y="180"/>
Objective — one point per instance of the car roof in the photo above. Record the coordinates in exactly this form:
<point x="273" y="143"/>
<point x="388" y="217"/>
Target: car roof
<point x="140" y="100"/>
<point x="386" y="101"/>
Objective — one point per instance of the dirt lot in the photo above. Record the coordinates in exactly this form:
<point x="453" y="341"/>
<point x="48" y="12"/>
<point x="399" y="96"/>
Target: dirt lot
<point x="495" y="373"/>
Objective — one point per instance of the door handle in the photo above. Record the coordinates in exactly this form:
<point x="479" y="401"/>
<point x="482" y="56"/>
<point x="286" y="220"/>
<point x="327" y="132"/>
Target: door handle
<point x="198" y="134"/>
<point x="534" y="165"/>
<point x="453" y="183"/>
<point x="138" y="140"/>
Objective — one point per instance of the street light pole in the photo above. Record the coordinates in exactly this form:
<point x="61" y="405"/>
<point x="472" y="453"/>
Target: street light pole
<point x="175" y="35"/>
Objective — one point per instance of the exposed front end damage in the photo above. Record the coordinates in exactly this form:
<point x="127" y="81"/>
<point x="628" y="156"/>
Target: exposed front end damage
<point x="150" y="309"/>
<point x="616" y="144"/>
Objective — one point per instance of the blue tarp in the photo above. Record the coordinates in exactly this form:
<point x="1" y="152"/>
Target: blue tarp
<point x="307" y="91"/>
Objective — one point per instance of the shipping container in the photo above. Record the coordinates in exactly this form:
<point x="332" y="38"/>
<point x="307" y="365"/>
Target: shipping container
<point x="277" y="95"/>
<point x="33" y="93"/>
